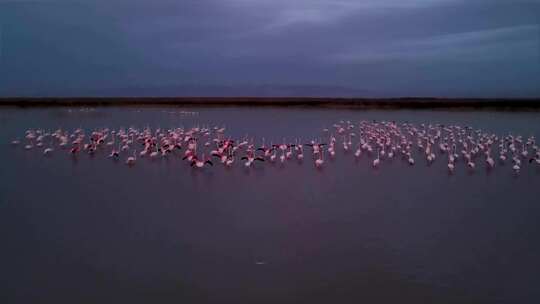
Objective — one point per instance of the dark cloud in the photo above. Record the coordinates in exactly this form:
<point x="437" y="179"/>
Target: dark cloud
<point x="212" y="47"/>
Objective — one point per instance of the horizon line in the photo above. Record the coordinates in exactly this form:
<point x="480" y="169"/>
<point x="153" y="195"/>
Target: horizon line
<point x="500" y="103"/>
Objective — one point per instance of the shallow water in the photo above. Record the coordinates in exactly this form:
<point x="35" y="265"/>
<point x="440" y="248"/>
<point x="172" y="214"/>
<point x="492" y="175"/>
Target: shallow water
<point x="92" y="230"/>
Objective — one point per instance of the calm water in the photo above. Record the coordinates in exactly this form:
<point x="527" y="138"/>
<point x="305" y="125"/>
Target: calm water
<point x="93" y="230"/>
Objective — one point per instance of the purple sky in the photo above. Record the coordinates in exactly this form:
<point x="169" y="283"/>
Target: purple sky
<point x="487" y="48"/>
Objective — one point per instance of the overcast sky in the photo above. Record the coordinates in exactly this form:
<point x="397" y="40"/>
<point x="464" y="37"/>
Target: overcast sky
<point x="488" y="48"/>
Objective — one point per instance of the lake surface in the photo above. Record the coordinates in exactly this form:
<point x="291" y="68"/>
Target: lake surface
<point x="92" y="230"/>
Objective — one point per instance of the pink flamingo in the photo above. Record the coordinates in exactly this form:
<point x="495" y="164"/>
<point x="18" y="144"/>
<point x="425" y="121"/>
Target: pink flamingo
<point x="199" y="163"/>
<point x="130" y="161"/>
<point x="320" y="161"/>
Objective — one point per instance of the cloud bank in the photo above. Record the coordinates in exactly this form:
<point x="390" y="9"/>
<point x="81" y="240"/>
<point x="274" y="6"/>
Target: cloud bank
<point x="486" y="48"/>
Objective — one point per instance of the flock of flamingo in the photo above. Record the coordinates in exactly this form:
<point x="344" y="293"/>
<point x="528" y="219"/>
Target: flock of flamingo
<point x="380" y="140"/>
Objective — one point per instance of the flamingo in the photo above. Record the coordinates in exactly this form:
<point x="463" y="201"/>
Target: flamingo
<point x="388" y="138"/>
<point x="273" y="156"/>
<point x="114" y="154"/>
<point x="358" y="152"/>
<point x="410" y="160"/>
<point x="130" y="161"/>
<point x="48" y="151"/>
<point x="230" y="160"/>
<point x="155" y="153"/>
<point x="142" y="153"/>
<point x="320" y="161"/>
<point x="199" y="163"/>
<point x="288" y="155"/>
<point x="377" y="160"/>
<point x="489" y="161"/>
<point x="250" y="159"/>
<point x="75" y="149"/>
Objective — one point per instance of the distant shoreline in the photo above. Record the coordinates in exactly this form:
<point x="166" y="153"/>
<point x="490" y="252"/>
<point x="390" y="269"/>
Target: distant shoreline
<point x="312" y="102"/>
